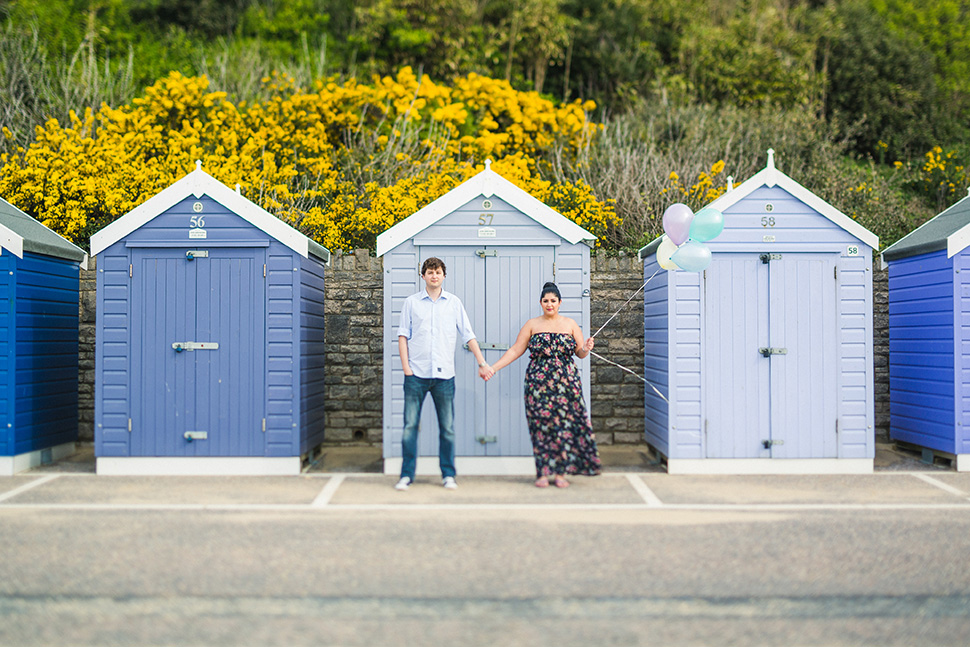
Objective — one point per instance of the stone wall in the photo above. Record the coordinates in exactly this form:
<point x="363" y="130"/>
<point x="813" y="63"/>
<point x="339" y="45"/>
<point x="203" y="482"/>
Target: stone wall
<point x="354" y="363"/>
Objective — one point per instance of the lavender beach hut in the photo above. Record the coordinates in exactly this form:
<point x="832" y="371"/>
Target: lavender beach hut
<point x="929" y="336"/>
<point x="38" y="342"/>
<point x="500" y="245"/>
<point x="765" y="359"/>
<point x="210" y="337"/>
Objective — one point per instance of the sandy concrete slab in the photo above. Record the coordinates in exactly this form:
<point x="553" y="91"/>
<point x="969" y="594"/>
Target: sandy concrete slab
<point x="180" y="490"/>
<point x="10" y="483"/>
<point x="957" y="480"/>
<point x="831" y="490"/>
<point x="515" y="490"/>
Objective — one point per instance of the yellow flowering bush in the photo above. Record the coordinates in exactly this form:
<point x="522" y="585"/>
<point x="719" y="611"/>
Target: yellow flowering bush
<point x="342" y="162"/>
<point x="701" y="192"/>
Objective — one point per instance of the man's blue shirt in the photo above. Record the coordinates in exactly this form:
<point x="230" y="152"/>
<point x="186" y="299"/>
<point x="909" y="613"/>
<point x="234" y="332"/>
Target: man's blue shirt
<point x="432" y="328"/>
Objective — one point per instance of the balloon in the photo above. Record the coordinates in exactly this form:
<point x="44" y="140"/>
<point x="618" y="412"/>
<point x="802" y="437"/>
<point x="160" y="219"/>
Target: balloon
<point x="664" y="252"/>
<point x="677" y="219"/>
<point x="692" y="256"/>
<point x="707" y="224"/>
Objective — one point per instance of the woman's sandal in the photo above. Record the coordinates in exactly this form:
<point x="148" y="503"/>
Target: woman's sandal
<point x="561" y="482"/>
<point x="542" y="481"/>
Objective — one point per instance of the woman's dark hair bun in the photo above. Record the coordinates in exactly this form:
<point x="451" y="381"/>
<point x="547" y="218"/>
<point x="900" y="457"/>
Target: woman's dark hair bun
<point x="550" y="288"/>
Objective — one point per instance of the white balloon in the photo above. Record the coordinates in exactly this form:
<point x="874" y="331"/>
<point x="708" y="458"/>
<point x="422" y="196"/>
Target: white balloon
<point x="664" y="252"/>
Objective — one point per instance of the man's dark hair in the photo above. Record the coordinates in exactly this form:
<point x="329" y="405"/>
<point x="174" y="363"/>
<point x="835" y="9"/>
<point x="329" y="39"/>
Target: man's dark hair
<point x="433" y="263"/>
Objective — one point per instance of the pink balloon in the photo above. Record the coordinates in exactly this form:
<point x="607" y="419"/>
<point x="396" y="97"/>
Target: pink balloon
<point x="677" y="219"/>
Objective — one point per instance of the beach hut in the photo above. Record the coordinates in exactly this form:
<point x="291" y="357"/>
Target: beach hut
<point x="209" y="343"/>
<point x="764" y="360"/>
<point x="929" y="336"/>
<point x="38" y="342"/>
<point x="500" y="245"/>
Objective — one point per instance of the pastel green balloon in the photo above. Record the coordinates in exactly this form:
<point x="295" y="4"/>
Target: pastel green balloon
<point x="692" y="256"/>
<point x="707" y="225"/>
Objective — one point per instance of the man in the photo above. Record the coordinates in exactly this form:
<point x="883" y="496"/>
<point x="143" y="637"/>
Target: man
<point x="431" y="321"/>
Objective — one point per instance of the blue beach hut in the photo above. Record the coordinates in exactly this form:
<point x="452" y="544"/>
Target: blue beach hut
<point x="210" y="337"/>
<point x="929" y="336"/>
<point x="38" y="342"/>
<point x="764" y="360"/>
<point x="500" y="245"/>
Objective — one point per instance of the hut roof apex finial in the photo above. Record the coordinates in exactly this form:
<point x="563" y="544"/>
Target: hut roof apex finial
<point x="730" y="186"/>
<point x="198" y="165"/>
<point x="237" y="189"/>
<point x="771" y="158"/>
<point x="488" y="165"/>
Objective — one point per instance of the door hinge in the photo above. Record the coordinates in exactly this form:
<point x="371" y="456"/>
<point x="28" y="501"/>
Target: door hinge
<point x="264" y="425"/>
<point x="129" y="270"/>
<point x="553" y="271"/>
<point x="836" y="273"/>
<point x="264" y="270"/>
<point x="836" y="427"/>
<point x="129" y="425"/>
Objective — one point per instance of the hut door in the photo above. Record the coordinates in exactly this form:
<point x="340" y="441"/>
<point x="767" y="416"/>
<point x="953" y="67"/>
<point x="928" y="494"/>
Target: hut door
<point x="198" y="341"/>
<point x="499" y="287"/>
<point x="770" y="386"/>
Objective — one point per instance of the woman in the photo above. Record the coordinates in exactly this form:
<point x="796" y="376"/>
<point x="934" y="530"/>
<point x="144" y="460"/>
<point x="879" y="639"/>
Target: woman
<point x="562" y="437"/>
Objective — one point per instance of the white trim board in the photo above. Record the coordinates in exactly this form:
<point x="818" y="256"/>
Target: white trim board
<point x="469" y="466"/>
<point x="10" y="465"/>
<point x="199" y="183"/>
<point x="769" y="466"/>
<point x="198" y="466"/>
<point x="771" y="177"/>
<point x="486" y="183"/>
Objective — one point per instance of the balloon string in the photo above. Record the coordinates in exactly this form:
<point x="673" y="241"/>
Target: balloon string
<point x="633" y="374"/>
<point x="627" y="301"/>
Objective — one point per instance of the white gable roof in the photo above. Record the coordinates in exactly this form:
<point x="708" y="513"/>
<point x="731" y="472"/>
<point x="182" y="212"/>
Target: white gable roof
<point x="487" y="183"/>
<point x="771" y="177"/>
<point x="199" y="183"/>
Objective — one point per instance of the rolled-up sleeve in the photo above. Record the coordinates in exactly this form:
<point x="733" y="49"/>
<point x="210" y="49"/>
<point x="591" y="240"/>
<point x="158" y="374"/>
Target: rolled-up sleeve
<point x="464" y="324"/>
<point x="404" y="325"/>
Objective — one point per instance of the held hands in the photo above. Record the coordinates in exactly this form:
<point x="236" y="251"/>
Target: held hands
<point x="485" y="372"/>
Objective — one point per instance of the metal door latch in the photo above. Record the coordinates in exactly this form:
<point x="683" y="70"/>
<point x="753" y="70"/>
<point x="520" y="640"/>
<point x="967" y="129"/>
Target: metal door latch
<point x="195" y="435"/>
<point x="768" y="352"/>
<point x="767" y="444"/>
<point x="767" y="258"/>
<point x="490" y="346"/>
<point x="179" y="346"/>
<point x="486" y="439"/>
<point x="193" y="254"/>
<point x="482" y="253"/>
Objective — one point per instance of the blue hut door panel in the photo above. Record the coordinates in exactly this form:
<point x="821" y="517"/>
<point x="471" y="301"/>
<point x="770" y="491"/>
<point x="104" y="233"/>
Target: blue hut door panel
<point x="804" y="380"/>
<point x="499" y="288"/>
<point x="771" y="376"/>
<point x="736" y="385"/>
<point x="215" y="392"/>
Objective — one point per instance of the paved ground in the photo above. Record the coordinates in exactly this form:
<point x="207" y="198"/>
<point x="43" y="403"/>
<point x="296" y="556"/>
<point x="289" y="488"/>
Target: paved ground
<point x="337" y="557"/>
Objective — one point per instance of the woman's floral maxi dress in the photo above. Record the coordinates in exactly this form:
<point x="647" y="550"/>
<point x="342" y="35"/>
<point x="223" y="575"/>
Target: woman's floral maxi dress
<point x="562" y="437"/>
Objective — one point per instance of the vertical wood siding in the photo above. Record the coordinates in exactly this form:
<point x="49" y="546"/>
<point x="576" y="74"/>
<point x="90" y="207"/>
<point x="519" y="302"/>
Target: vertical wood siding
<point x="401" y="272"/>
<point x="656" y="356"/>
<point x="312" y="353"/>
<point x="685" y="386"/>
<point x="282" y="345"/>
<point x="573" y="277"/>
<point x="855" y="357"/>
<point x="962" y="350"/>
<point x="7" y="345"/>
<point x="46" y="361"/>
<point x="112" y="347"/>
<point x="921" y="351"/>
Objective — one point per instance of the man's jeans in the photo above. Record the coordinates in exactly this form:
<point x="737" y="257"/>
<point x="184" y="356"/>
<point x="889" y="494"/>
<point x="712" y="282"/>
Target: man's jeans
<point x="443" y="394"/>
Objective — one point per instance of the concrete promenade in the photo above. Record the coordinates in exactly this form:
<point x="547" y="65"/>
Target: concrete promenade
<point x="632" y="557"/>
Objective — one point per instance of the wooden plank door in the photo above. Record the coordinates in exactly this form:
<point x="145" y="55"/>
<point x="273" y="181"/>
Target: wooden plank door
<point x="804" y="379"/>
<point x="499" y="287"/>
<point x="219" y="299"/>
<point x="736" y="378"/>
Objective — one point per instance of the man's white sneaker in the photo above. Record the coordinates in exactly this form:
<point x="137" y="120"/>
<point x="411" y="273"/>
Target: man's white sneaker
<point x="449" y="483"/>
<point x="403" y="484"/>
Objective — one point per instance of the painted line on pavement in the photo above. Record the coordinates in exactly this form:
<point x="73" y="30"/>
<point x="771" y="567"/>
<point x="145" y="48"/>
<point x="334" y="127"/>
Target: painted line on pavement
<point x="28" y="486"/>
<point x="939" y="484"/>
<point x="644" y="491"/>
<point x="472" y="507"/>
<point x="323" y="499"/>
